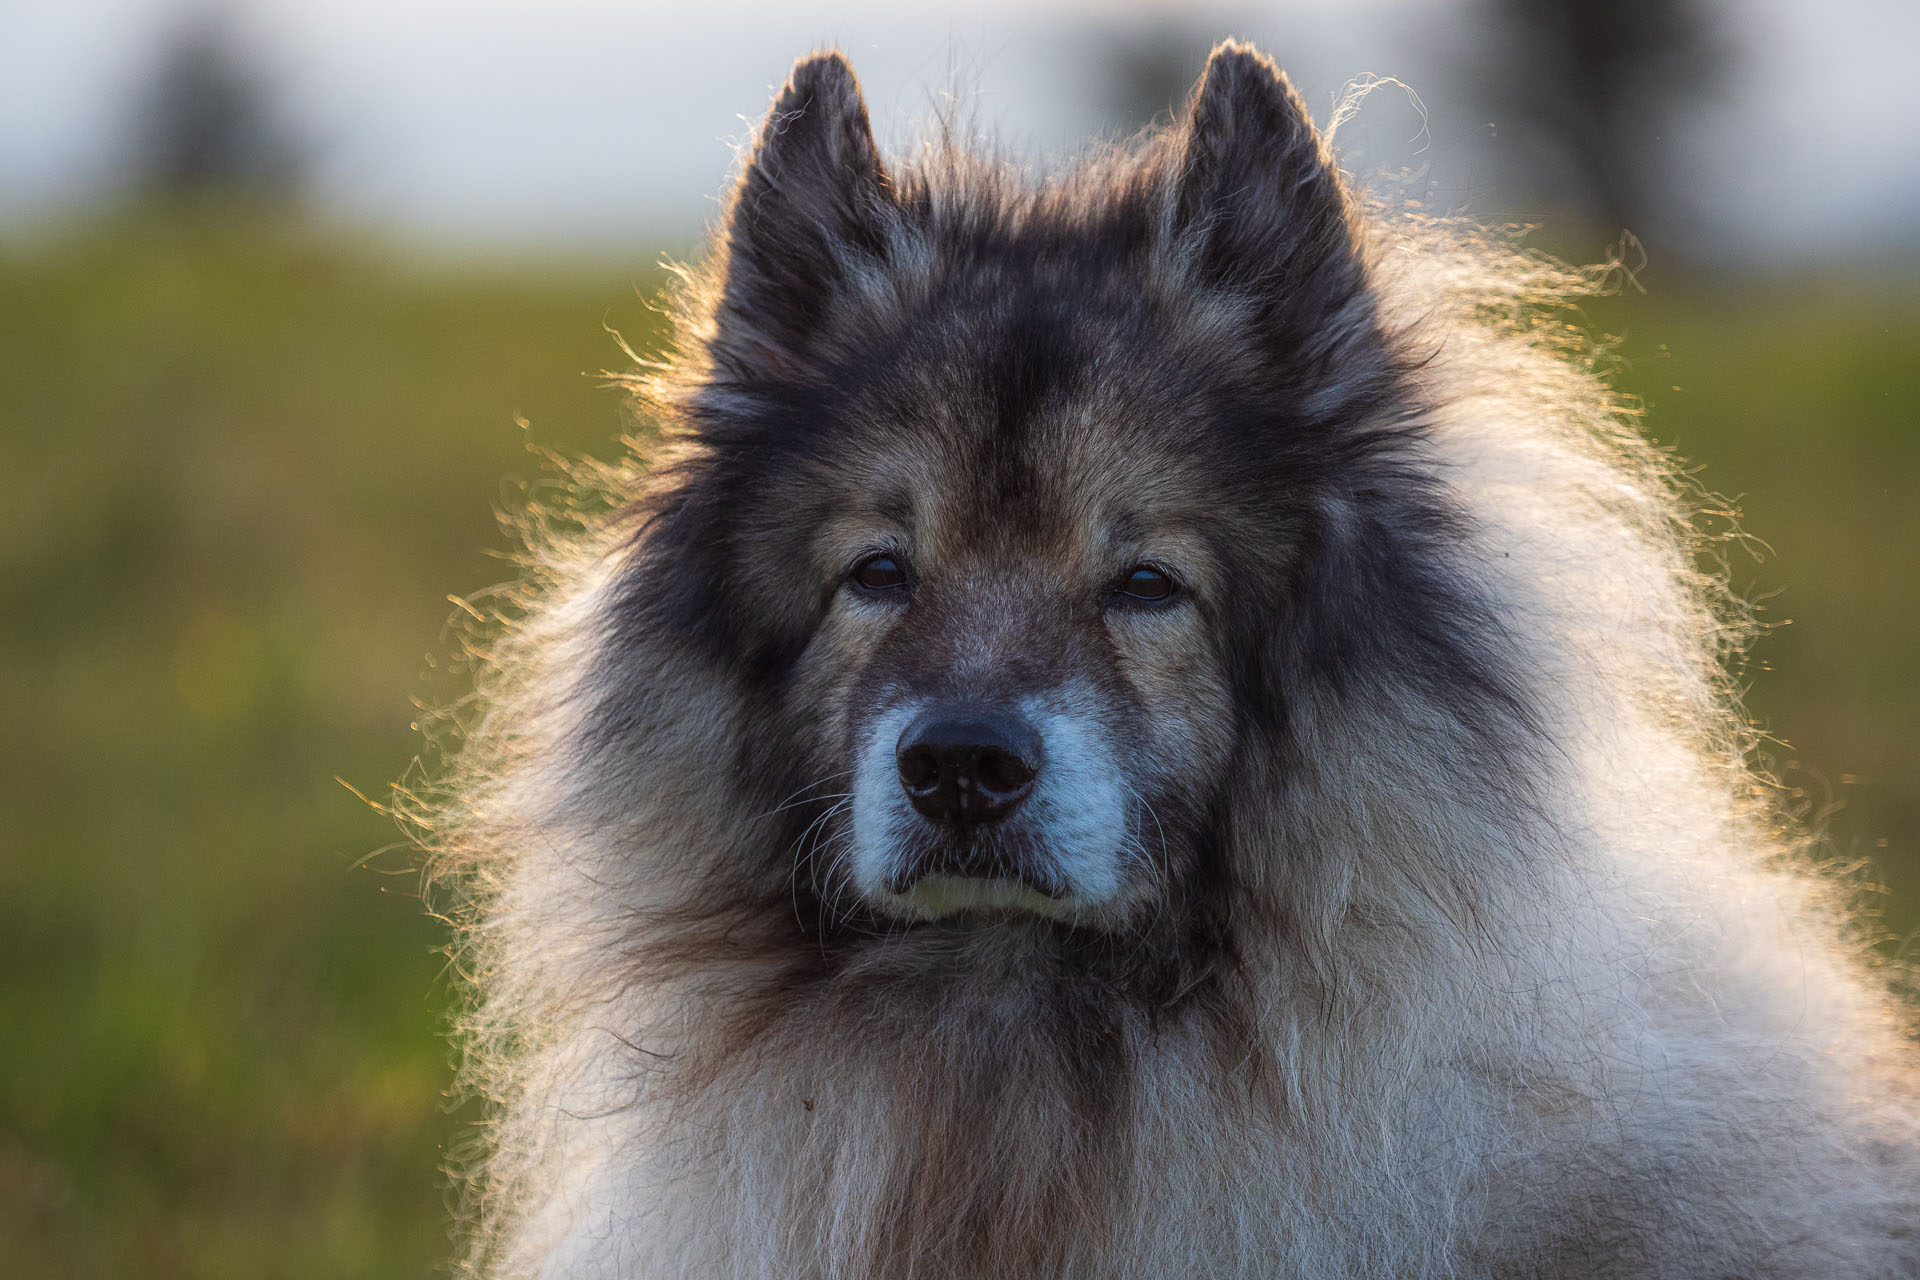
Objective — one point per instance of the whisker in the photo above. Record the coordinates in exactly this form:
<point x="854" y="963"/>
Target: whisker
<point x="797" y="852"/>
<point x="1160" y="873"/>
<point x="800" y="797"/>
<point x="823" y="855"/>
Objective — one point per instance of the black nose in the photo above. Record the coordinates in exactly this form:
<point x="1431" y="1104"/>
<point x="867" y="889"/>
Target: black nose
<point x="965" y="766"/>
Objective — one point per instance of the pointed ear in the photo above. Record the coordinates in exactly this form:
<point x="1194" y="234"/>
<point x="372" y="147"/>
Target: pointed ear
<point x="813" y="200"/>
<point x="1259" y="199"/>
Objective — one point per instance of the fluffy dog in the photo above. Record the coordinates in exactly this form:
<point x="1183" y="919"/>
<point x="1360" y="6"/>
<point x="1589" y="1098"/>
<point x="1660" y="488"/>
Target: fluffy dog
<point x="1144" y="722"/>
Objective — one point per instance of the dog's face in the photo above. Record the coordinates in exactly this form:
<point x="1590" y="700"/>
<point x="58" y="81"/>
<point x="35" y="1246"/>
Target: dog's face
<point x="1007" y="506"/>
<point x="1017" y="664"/>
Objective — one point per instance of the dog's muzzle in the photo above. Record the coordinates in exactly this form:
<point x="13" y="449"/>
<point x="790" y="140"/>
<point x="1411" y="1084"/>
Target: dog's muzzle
<point x="965" y="769"/>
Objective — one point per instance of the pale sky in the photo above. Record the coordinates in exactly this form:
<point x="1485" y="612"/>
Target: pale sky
<point x="595" y="124"/>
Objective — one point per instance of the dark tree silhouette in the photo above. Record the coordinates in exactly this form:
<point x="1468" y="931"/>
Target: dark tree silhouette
<point x="1150" y="70"/>
<point x="208" y="121"/>
<point x="1589" y="90"/>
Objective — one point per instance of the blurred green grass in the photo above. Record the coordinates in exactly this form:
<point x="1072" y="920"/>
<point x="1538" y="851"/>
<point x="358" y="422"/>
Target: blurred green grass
<point x="248" y="464"/>
<point x="1799" y="400"/>
<point x="247" y="468"/>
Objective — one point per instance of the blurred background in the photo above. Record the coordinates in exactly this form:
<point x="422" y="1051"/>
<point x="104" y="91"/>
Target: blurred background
<point x="280" y="280"/>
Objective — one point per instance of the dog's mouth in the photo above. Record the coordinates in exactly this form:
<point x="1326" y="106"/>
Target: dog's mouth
<point x="975" y="876"/>
<point x="947" y="897"/>
<point x="975" y="861"/>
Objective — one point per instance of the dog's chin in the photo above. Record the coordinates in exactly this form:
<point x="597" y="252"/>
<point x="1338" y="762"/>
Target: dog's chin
<point x="987" y="900"/>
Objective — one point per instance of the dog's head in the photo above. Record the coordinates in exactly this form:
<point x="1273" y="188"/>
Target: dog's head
<point x="1020" y="513"/>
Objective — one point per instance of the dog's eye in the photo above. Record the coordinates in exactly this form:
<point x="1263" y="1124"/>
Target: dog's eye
<point x="1146" y="583"/>
<point x="879" y="573"/>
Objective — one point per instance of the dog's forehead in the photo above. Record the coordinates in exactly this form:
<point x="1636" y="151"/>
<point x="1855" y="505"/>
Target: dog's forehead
<point x="1030" y="421"/>
<point x="1069" y="478"/>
